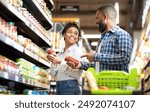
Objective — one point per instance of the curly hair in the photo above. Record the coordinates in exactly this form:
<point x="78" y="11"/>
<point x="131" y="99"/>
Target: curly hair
<point x="71" y="24"/>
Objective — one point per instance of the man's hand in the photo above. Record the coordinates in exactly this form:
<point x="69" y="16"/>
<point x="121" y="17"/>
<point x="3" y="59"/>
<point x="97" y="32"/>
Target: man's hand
<point x="89" y="56"/>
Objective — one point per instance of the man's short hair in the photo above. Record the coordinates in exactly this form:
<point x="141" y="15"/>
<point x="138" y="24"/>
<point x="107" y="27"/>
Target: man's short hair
<point x="109" y="10"/>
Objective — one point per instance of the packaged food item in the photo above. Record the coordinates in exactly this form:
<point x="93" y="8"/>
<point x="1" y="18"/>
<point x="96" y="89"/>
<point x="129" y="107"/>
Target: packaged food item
<point x="103" y="88"/>
<point x="70" y="58"/>
<point x="50" y="51"/>
<point x="91" y="80"/>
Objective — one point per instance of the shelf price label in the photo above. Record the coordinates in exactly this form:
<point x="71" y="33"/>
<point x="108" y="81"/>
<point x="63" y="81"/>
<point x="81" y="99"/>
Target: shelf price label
<point x="23" y="80"/>
<point x="5" y="75"/>
<point x="32" y="83"/>
<point x="18" y="47"/>
<point x="28" y="82"/>
<point x="16" y="78"/>
<point x="35" y="57"/>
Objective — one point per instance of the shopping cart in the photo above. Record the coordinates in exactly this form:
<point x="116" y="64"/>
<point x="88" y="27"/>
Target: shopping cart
<point x="118" y="82"/>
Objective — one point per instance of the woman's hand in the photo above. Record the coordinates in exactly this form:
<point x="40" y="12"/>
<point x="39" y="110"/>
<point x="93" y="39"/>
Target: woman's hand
<point x="54" y="58"/>
<point x="74" y="65"/>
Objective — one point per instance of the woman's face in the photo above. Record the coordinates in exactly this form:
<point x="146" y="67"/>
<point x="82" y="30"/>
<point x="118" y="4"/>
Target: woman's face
<point x="71" y="35"/>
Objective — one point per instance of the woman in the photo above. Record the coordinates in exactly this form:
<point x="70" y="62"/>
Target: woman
<point x="68" y="80"/>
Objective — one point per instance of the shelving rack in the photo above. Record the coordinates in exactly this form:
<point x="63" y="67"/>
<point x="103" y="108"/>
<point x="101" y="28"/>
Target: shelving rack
<point x="13" y="50"/>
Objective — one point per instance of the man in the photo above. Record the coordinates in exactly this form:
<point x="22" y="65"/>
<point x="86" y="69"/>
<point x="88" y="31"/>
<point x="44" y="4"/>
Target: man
<point x="115" y="46"/>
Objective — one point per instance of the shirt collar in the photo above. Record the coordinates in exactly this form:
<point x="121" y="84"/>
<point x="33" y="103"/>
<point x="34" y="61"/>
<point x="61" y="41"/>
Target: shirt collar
<point x="71" y="48"/>
<point x="114" y="29"/>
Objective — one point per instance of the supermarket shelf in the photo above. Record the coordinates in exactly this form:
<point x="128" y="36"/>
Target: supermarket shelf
<point x="39" y="14"/>
<point x="50" y="4"/>
<point x="19" y="79"/>
<point x="9" y="12"/>
<point x="12" y="77"/>
<point x="44" y="62"/>
<point x="14" y="50"/>
<point x="29" y="53"/>
<point x="34" y="35"/>
<point x="23" y="24"/>
<point x="11" y="43"/>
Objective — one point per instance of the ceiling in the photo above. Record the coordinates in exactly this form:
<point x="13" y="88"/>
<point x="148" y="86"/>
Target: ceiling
<point x="130" y="13"/>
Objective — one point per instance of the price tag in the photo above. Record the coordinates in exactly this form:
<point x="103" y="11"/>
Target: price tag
<point x="28" y="81"/>
<point x="29" y="53"/>
<point x="6" y="75"/>
<point x="15" y="45"/>
<point x="26" y="22"/>
<point x="32" y="83"/>
<point x="7" y="40"/>
<point x="48" y="87"/>
<point x="18" y="47"/>
<point x="35" y="57"/>
<point x="16" y="78"/>
<point x="11" y="43"/>
<point x="43" y="61"/>
<point x="3" y="37"/>
<point x="23" y="80"/>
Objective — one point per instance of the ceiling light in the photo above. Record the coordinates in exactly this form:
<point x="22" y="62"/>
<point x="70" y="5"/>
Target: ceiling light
<point x="94" y="43"/>
<point x="91" y="36"/>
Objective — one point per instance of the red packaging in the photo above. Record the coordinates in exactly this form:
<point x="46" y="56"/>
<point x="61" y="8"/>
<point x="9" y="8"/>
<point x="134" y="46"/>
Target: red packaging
<point x="69" y="58"/>
<point x="50" y="51"/>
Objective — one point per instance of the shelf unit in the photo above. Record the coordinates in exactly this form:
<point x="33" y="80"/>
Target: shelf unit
<point x="11" y="47"/>
<point x="142" y="59"/>
<point x="9" y="13"/>
<point x="12" y="50"/>
<point x="38" y="12"/>
<point x="50" y="4"/>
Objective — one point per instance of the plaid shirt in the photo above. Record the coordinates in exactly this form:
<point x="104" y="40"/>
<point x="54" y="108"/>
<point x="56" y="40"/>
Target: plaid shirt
<point x="115" y="51"/>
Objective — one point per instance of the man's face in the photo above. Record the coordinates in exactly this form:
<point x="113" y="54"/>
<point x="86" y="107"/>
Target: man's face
<point x="98" y="17"/>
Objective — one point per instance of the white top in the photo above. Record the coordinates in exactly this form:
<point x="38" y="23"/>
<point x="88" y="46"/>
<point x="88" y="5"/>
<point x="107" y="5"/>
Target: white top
<point x="65" y="72"/>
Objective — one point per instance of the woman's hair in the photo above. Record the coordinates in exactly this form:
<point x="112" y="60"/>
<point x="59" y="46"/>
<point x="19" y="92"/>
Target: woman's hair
<point x="71" y="24"/>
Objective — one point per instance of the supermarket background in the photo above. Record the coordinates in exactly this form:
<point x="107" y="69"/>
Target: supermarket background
<point x="28" y="27"/>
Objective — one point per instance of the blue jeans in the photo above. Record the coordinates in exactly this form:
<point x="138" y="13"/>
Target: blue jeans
<point x="68" y="87"/>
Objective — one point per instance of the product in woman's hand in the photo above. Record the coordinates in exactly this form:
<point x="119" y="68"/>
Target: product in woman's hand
<point x="50" y="51"/>
<point x="69" y="58"/>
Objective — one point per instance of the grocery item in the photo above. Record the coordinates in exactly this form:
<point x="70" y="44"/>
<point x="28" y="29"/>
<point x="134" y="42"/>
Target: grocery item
<point x="70" y="58"/>
<point x="103" y="88"/>
<point x="91" y="80"/>
<point x="50" y="51"/>
<point x="8" y="65"/>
